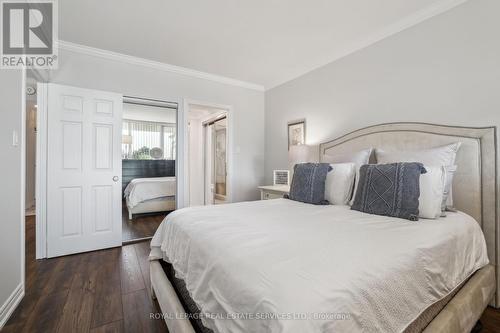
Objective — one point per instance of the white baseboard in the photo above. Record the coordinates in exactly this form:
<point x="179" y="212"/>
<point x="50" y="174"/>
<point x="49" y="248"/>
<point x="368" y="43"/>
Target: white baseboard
<point x="11" y="304"/>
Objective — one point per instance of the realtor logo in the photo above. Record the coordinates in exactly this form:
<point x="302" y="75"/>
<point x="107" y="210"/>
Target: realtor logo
<point x="29" y="30"/>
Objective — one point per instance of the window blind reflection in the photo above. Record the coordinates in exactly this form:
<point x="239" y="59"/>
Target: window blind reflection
<point x="140" y="137"/>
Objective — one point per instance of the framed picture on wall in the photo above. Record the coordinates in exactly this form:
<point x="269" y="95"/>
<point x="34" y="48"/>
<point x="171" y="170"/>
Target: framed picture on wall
<point x="296" y="133"/>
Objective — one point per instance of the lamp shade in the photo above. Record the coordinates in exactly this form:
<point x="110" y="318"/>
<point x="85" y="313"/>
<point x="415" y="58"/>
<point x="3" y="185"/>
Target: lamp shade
<point x="303" y="154"/>
<point x="127" y="139"/>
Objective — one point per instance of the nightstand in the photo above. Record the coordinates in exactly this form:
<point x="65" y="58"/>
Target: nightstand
<point x="273" y="191"/>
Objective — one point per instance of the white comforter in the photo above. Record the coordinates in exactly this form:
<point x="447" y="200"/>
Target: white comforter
<point x="142" y="189"/>
<point x="281" y="258"/>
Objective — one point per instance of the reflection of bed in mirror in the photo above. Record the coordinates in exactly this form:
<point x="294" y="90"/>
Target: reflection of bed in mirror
<point x="149" y="186"/>
<point x="150" y="195"/>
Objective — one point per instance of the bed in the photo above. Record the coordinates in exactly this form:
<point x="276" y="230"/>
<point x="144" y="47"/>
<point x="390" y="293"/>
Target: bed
<point x="150" y="195"/>
<point x="275" y="257"/>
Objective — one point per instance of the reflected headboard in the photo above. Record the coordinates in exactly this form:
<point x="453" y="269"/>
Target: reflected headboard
<point x="475" y="184"/>
<point x="132" y="169"/>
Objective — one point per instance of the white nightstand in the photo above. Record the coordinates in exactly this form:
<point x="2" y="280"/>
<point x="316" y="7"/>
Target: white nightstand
<point x="273" y="191"/>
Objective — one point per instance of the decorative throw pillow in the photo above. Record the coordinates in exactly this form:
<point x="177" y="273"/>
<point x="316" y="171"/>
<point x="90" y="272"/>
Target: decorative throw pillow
<point x="389" y="190"/>
<point x="359" y="158"/>
<point x="439" y="156"/>
<point x="308" y="183"/>
<point x="339" y="183"/>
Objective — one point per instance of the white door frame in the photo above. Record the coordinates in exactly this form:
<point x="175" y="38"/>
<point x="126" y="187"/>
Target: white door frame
<point x="183" y="150"/>
<point x="41" y="171"/>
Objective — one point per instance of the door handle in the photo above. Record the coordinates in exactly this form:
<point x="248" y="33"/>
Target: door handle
<point x="115" y="179"/>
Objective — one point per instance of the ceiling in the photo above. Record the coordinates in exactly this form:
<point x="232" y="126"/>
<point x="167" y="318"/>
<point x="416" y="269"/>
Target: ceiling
<point x="265" y="42"/>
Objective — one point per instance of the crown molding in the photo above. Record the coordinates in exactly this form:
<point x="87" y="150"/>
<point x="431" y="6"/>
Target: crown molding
<point x="120" y="57"/>
<point x="388" y="31"/>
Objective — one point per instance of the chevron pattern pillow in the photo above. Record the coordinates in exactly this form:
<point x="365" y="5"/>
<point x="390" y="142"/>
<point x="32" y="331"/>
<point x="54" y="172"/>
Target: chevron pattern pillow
<point x="389" y="190"/>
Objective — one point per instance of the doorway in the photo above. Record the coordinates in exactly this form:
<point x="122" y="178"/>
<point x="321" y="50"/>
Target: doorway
<point x="209" y="153"/>
<point x="215" y="160"/>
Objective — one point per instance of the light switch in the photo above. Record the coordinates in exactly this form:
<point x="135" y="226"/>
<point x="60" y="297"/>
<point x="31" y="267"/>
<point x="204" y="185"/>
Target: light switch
<point x="15" y="138"/>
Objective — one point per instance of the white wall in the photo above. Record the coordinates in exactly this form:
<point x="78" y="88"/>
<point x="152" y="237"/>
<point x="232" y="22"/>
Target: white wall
<point x="134" y="80"/>
<point x="445" y="70"/>
<point x="11" y="190"/>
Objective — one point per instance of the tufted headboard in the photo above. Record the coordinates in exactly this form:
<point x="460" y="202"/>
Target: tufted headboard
<point x="475" y="185"/>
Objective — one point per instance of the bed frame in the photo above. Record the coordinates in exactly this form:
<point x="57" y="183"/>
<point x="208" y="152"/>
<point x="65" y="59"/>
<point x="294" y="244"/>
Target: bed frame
<point x="150" y="206"/>
<point x="475" y="189"/>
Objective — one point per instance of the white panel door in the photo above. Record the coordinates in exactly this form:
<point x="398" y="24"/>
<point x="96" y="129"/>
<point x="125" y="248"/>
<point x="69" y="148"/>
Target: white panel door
<point x="83" y="170"/>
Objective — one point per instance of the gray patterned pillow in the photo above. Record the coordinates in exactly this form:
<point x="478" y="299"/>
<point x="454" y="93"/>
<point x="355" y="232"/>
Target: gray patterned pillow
<point x="308" y="183"/>
<point x="389" y="190"/>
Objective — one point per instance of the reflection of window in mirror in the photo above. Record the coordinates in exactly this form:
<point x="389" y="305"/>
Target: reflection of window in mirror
<point x="149" y="133"/>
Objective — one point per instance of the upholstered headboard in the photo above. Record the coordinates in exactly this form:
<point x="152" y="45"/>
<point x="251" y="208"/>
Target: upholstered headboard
<point x="475" y="185"/>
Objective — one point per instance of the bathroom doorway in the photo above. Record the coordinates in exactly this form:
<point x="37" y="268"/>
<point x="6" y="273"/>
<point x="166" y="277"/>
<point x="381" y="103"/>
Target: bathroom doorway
<point x="215" y="152"/>
<point x="209" y="157"/>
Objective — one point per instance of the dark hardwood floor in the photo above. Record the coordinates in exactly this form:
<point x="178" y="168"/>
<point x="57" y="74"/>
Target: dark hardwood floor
<point x="101" y="291"/>
<point x="141" y="226"/>
<point x="490" y="321"/>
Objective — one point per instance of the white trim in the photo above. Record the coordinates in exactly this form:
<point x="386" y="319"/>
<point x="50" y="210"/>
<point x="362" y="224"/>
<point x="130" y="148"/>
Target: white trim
<point x="150" y="102"/>
<point x="183" y="150"/>
<point x="10" y="304"/>
<point x="73" y="47"/>
<point x="181" y="170"/>
<point x="23" y="179"/>
<point x="41" y="171"/>
<point x="392" y="29"/>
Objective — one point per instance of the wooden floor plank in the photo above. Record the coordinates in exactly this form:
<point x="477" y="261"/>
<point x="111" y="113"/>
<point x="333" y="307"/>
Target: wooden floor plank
<point x="114" y="327"/>
<point x="131" y="275"/>
<point x="46" y="314"/>
<point x="20" y="316"/>
<point x="142" y="249"/>
<point x="108" y="303"/>
<point x="77" y="312"/>
<point x="63" y="274"/>
<point x="491" y="320"/>
<point x="141" y="226"/>
<point x="138" y="313"/>
<point x="42" y="273"/>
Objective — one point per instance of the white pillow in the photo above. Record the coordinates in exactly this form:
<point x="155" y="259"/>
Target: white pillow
<point x="432" y="186"/>
<point x="440" y="156"/>
<point x="339" y="183"/>
<point x="359" y="158"/>
<point x="447" y="202"/>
